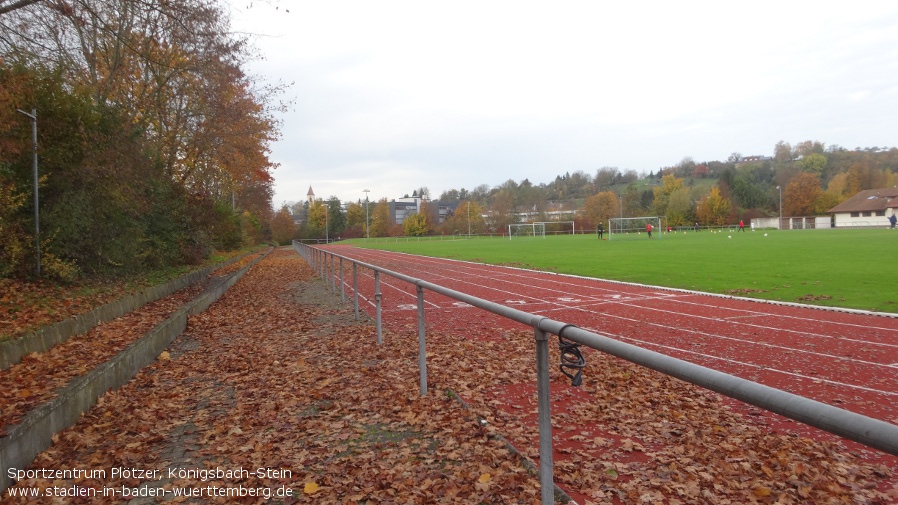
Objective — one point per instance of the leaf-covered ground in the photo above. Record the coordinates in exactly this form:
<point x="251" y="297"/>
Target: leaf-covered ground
<point x="38" y="376"/>
<point x="277" y="375"/>
<point x="28" y="305"/>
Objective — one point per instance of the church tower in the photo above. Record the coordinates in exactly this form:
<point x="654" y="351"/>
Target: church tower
<point x="311" y="196"/>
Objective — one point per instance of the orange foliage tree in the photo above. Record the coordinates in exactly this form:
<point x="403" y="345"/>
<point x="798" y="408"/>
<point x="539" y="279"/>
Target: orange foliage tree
<point x="801" y="195"/>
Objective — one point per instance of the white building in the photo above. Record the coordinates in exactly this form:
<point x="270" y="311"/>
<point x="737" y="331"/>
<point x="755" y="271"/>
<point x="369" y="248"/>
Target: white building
<point x="871" y="207"/>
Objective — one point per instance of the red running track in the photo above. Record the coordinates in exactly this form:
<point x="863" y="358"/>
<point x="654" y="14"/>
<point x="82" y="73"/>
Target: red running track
<point x="848" y="359"/>
<point x="844" y="358"/>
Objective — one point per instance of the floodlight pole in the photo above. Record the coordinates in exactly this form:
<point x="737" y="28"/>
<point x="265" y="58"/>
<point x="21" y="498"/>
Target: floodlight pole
<point x="780" y="224"/>
<point x="469" y="219"/>
<point x="367" y="222"/>
<point x="37" y="223"/>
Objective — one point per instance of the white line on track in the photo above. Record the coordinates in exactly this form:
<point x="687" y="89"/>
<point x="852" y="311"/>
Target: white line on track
<point x="634" y="296"/>
<point x="616" y="299"/>
<point x="751" y="365"/>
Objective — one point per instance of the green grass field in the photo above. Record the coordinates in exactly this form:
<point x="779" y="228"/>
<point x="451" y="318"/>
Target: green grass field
<point x="839" y="268"/>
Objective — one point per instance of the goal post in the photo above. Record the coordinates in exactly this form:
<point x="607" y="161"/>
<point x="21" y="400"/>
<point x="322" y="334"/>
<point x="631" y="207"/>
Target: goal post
<point x="526" y="230"/>
<point x="635" y="227"/>
<point x="559" y="227"/>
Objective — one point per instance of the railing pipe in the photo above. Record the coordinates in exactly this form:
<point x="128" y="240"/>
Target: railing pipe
<point x="866" y="430"/>
<point x="853" y="426"/>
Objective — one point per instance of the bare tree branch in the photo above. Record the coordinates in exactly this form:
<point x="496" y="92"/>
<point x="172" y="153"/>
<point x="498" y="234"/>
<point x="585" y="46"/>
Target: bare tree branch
<point x="16" y="5"/>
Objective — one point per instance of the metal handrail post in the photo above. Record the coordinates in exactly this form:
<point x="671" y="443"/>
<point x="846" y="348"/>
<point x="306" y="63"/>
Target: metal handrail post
<point x="355" y="288"/>
<point x="342" y="283"/>
<point x="422" y="347"/>
<point x="377" y="299"/>
<point x="322" y="272"/>
<point x="333" y="276"/>
<point x="544" y="401"/>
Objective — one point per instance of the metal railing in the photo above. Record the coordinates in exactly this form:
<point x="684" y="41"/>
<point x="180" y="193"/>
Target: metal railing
<point x="865" y="430"/>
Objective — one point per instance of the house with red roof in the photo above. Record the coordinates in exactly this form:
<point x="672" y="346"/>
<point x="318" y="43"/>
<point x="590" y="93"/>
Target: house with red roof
<point x="871" y="207"/>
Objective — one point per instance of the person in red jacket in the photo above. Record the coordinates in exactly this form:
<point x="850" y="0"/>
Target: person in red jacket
<point x="648" y="229"/>
<point x="741" y="225"/>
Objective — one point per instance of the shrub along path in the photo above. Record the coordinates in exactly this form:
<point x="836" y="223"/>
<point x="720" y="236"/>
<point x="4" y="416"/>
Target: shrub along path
<point x="277" y="377"/>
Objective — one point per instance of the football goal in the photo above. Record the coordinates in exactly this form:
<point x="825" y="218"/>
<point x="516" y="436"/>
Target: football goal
<point x="559" y="227"/>
<point x="635" y="227"/>
<point x="526" y="230"/>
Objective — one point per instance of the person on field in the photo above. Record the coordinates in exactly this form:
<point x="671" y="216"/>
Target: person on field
<point x="697" y="227"/>
<point x="741" y="225"/>
<point x="893" y="220"/>
<point x="600" y="230"/>
<point x="648" y="229"/>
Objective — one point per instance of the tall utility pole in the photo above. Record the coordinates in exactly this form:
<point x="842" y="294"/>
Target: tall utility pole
<point x="37" y="223"/>
<point x="367" y="223"/>
<point x="780" y="225"/>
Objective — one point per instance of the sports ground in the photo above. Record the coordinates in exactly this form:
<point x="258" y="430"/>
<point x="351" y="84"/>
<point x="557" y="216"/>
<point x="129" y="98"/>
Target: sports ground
<point x="846" y="358"/>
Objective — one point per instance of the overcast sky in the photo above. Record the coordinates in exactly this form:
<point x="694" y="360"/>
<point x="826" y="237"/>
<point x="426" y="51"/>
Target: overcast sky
<point x="392" y="96"/>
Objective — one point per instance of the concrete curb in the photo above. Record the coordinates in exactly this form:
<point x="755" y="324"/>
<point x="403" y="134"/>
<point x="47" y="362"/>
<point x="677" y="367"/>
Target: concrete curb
<point x="26" y="440"/>
<point x="12" y="350"/>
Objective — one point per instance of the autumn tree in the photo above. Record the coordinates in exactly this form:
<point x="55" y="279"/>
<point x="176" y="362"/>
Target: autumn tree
<point x="318" y="218"/>
<point x="420" y="223"/>
<point x="283" y="229"/>
<point x="416" y="225"/>
<point x="166" y="79"/>
<point x="631" y="202"/>
<point x="467" y="218"/>
<point x="679" y="208"/>
<point x="599" y="208"/>
<point x="713" y="209"/>
<point x="801" y="194"/>
<point x="381" y="220"/>
<point x="504" y="207"/>
<point x="356" y="219"/>
<point x="605" y="178"/>
<point x="669" y="184"/>
<point x="813" y="162"/>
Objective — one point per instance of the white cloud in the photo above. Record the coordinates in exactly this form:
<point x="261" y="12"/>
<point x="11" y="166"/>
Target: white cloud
<point x="395" y="95"/>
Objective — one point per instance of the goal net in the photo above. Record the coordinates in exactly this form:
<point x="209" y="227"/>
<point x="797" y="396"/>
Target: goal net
<point x="634" y="227"/>
<point x="526" y="230"/>
<point x="558" y="227"/>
